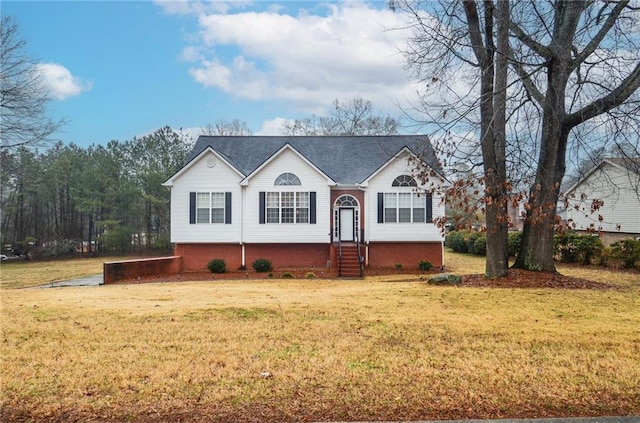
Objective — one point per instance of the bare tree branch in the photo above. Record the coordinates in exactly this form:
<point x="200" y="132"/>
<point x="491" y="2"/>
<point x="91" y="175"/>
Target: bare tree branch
<point x="23" y="97"/>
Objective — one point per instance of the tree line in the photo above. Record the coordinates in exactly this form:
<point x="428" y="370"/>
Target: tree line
<point x="99" y="199"/>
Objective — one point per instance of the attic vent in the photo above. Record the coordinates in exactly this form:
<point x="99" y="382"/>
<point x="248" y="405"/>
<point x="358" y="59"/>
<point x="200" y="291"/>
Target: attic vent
<point x="211" y="161"/>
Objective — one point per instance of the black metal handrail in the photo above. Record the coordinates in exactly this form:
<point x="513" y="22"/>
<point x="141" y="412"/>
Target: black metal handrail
<point x="339" y="256"/>
<point x="360" y="234"/>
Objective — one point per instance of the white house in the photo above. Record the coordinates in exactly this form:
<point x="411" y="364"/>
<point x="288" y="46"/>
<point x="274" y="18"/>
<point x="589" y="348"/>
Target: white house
<point x="307" y="201"/>
<point x="607" y="200"/>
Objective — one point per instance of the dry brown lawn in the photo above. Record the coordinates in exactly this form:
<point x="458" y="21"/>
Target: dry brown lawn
<point x="386" y="348"/>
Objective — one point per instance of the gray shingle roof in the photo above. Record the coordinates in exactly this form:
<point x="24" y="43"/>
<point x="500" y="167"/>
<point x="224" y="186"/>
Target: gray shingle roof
<point x="345" y="159"/>
<point x="630" y="163"/>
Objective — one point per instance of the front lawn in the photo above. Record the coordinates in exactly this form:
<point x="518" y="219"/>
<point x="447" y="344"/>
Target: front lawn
<point x="318" y="350"/>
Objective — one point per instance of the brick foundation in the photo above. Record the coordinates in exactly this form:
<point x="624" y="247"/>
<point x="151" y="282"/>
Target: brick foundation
<point x="195" y="257"/>
<point x="289" y="255"/>
<point x="406" y="254"/>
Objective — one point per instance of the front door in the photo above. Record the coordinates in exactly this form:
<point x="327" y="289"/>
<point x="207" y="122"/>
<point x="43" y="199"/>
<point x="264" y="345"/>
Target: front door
<point x="346" y="224"/>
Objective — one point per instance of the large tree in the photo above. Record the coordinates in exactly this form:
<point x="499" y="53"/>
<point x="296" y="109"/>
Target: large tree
<point x="574" y="68"/>
<point x="351" y="117"/>
<point x="23" y="97"/>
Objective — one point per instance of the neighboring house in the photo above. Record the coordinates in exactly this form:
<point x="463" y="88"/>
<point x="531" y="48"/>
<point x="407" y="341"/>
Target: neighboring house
<point x="606" y="201"/>
<point x="307" y="201"/>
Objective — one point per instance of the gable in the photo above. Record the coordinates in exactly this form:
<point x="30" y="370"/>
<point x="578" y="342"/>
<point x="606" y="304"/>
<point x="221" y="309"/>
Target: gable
<point x="208" y="165"/>
<point x="401" y="164"/>
<point x="607" y="180"/>
<point x="287" y="159"/>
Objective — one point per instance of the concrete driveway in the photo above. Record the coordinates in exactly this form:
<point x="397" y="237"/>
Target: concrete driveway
<point x="91" y="280"/>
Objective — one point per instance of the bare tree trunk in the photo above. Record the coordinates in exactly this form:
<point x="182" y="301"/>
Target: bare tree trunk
<point x="536" y="249"/>
<point x="493" y="79"/>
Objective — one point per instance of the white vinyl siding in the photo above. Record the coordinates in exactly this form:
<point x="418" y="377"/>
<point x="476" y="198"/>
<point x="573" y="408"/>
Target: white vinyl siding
<point x="618" y="190"/>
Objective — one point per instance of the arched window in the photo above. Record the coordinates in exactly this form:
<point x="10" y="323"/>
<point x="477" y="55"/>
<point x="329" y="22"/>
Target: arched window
<point x="347" y="201"/>
<point x="404" y="181"/>
<point x="287" y="179"/>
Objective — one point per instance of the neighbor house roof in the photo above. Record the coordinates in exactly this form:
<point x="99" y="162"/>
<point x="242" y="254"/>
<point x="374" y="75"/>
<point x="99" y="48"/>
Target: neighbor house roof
<point x="348" y="160"/>
<point x="629" y="163"/>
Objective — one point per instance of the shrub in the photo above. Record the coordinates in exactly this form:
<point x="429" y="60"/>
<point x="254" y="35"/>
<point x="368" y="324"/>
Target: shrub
<point x="459" y="241"/>
<point x="479" y="246"/>
<point x="455" y="241"/>
<point x="287" y="275"/>
<point x="605" y="257"/>
<point x="217" y="266"/>
<point x="574" y="248"/>
<point x="310" y="275"/>
<point x="425" y="265"/>
<point x="627" y="250"/>
<point x="262" y="265"/>
<point x="515" y="239"/>
<point x="398" y="266"/>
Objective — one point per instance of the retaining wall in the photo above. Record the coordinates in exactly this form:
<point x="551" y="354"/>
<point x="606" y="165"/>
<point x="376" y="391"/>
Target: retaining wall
<point x="115" y="271"/>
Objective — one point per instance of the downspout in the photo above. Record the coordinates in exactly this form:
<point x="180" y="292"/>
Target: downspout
<point x="243" y="195"/>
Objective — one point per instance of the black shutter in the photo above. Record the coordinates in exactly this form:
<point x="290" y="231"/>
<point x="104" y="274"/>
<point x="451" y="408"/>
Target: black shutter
<point x="429" y="208"/>
<point x="380" y="207"/>
<point x="227" y="208"/>
<point x="261" y="207"/>
<point x="192" y="207"/>
<point x="312" y="207"/>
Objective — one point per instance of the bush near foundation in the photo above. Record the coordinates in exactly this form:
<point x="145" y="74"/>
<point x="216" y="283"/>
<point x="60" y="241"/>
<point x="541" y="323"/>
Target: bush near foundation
<point x="217" y="266"/>
<point x="262" y="265"/>
<point x="425" y="265"/>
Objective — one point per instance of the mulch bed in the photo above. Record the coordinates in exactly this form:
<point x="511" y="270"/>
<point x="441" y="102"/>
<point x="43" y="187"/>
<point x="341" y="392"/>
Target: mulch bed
<point x="517" y="278"/>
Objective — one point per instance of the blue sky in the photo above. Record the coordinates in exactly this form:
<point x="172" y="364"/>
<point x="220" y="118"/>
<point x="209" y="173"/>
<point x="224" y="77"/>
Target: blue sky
<point x="119" y="69"/>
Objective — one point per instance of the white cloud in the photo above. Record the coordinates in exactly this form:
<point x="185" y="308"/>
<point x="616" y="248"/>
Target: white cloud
<point x="59" y="81"/>
<point x="306" y="59"/>
<point x="272" y="126"/>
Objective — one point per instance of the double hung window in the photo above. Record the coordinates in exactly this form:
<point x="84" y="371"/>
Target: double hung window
<point x="210" y="207"/>
<point x="287" y="207"/>
<point x="404" y="207"/>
